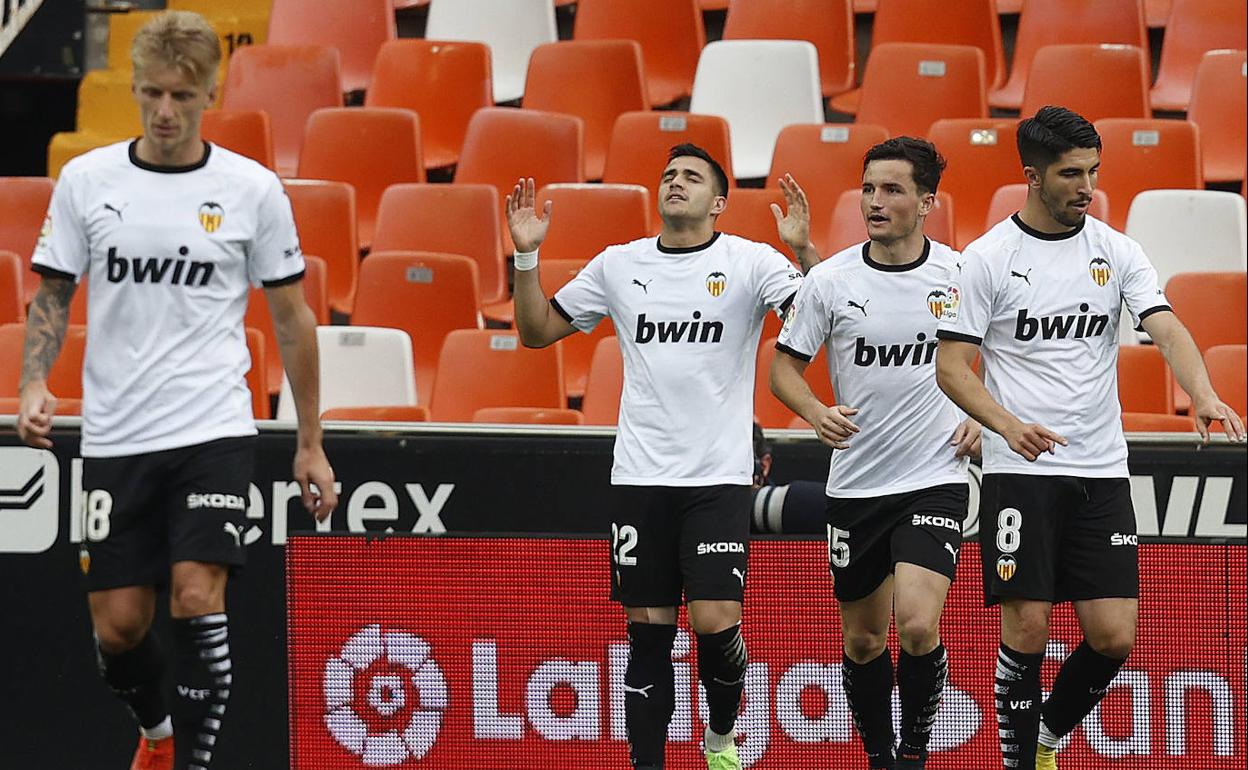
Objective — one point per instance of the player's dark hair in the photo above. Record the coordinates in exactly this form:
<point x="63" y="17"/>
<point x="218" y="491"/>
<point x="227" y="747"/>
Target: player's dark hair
<point x="694" y="151"/>
<point x="1053" y="131"/>
<point x="926" y="162"/>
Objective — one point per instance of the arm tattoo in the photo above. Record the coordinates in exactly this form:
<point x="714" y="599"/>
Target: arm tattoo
<point x="45" y="327"/>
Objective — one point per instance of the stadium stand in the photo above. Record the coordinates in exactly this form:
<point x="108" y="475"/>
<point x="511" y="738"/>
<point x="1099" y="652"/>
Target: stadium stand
<point x="749" y="215"/>
<point x="578" y="348"/>
<point x="909" y="86"/>
<point x="1144" y="380"/>
<point x="1142" y="422"/>
<point x="510" y="28"/>
<point x="443" y="82"/>
<point x="670" y="33"/>
<point x="369" y="148"/>
<point x="1059" y="75"/>
<point x="1219" y="107"/>
<point x="425" y="294"/>
<point x="531" y="415"/>
<point x="65" y="377"/>
<point x="981" y="156"/>
<point x="769" y="412"/>
<point x="259" y="319"/>
<point x="287" y="82"/>
<point x="605" y="383"/>
<point x="356" y="29"/>
<point x="1190" y="231"/>
<point x="759" y="87"/>
<point x="246" y="132"/>
<point x="24" y="201"/>
<point x="489" y="367"/>
<point x="1140" y="154"/>
<point x="378" y="413"/>
<point x="1194" y="27"/>
<point x="587" y="218"/>
<point x="1227" y="365"/>
<point x="826" y="24"/>
<point x="12" y="300"/>
<point x="325" y="217"/>
<point x="1213" y="306"/>
<point x="359" y="366"/>
<point x="258" y="374"/>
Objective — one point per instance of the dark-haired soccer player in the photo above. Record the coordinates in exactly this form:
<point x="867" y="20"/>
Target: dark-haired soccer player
<point x="897" y="486"/>
<point x="1039" y="297"/>
<point x="689" y="308"/>
<point x="168" y="231"/>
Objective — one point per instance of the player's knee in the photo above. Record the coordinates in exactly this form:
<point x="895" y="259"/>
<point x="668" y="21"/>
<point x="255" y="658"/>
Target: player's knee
<point x="1116" y="643"/>
<point x="722" y="656"/>
<point x="918" y="635"/>
<point x="120" y="633"/>
<point x="193" y="598"/>
<point x="864" y="645"/>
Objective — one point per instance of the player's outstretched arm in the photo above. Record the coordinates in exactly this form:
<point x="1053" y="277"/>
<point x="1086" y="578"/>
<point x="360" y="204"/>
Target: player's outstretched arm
<point x="537" y="323"/>
<point x="295" y="325"/>
<point x="955" y="374"/>
<point x="831" y="423"/>
<point x="45" y="333"/>
<point x="793" y="224"/>
<point x="1181" y="353"/>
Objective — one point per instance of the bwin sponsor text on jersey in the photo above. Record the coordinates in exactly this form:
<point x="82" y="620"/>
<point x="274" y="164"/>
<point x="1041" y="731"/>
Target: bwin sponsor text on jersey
<point x="1072" y="326"/>
<point x="696" y="330"/>
<point x="185" y="272"/>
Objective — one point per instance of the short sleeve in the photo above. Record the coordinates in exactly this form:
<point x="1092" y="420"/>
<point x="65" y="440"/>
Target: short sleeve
<point x="967" y="310"/>
<point x="776" y="279"/>
<point x="275" y="258"/>
<point x="583" y="301"/>
<point x="1141" y="289"/>
<point x="807" y="323"/>
<point x="62" y="247"/>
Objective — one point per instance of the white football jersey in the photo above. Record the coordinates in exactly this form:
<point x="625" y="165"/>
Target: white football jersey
<point x="688" y="322"/>
<point x="879" y="325"/>
<point x="168" y="255"/>
<point x="1044" y="309"/>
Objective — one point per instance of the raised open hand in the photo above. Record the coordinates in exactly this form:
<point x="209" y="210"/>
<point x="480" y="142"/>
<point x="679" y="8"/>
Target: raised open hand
<point x="528" y="228"/>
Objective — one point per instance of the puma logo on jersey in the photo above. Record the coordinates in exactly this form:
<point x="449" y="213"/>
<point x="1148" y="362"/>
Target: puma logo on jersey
<point x="918" y="353"/>
<point x="185" y="272"/>
<point x="696" y="330"/>
<point x="1060" y="326"/>
<point x="952" y="552"/>
<point x="739" y="575"/>
<point x="115" y="210"/>
<point x="233" y="531"/>
<point x="1025" y="276"/>
<point x="862" y="307"/>
<point x="645" y="287"/>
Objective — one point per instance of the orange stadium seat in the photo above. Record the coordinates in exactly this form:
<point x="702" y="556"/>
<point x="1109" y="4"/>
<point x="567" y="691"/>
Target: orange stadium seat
<point x="586" y="218"/>
<point x="1228" y="366"/>
<point x="443" y="82"/>
<point x="257" y="375"/>
<point x="236" y="26"/>
<point x="828" y="24"/>
<point x="325" y="217"/>
<point x="825" y="160"/>
<point x="1009" y="199"/>
<point x="604" y="385"/>
<point x="453" y="219"/>
<point x="1157" y="13"/>
<point x="1195" y="26"/>
<point x="510" y="28"/>
<point x="1139" y="154"/>
<point x="369" y="148"/>
<point x="24" y="201"/>
<point x="749" y="215"/>
<point x="713" y="5"/>
<point x="1053" y="22"/>
<point x="1213" y="306"/>
<point x="596" y="80"/>
<point x="908" y="86"/>
<point x="982" y="155"/>
<point x="578" y="348"/>
<point x="65" y="377"/>
<point x="12" y="299"/>
<point x="246" y="132"/>
<point x="258" y="317"/>
<point x="670" y="33"/>
<point x="423" y="293"/>
<point x="378" y="413"/>
<point x="1219" y="106"/>
<point x="67" y="145"/>
<point x="357" y="29"/>
<point x="1144" y="380"/>
<point x="287" y="82"/>
<point x="960" y="22"/>
<point x="640" y="142"/>
<point x="1146" y="422"/>
<point x="769" y="411"/>
<point x="528" y="415"/>
<point x="848" y="228"/>
<point x="1059" y="75"/>
<point x="106" y="105"/>
<point x="489" y="367"/>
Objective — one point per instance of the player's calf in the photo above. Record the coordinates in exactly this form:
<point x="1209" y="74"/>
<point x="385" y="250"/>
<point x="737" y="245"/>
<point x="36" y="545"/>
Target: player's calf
<point x="203" y="674"/>
<point x="649" y="692"/>
<point x="136" y="677"/>
<point x="869" y="690"/>
<point x="722" y="662"/>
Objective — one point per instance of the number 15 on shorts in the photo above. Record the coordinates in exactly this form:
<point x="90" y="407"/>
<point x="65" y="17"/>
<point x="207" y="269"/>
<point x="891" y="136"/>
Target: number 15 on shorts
<point x="838" y="547"/>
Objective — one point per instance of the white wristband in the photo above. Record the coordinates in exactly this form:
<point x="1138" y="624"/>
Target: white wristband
<point x="526" y="260"/>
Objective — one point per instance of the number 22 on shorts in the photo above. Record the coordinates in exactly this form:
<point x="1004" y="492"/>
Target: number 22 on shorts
<point x="623" y="541"/>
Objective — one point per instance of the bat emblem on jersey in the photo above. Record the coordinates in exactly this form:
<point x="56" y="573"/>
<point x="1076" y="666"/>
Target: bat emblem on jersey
<point x="644" y="286"/>
<point x="1025" y="276"/>
<point x="211" y="215"/>
<point x="936" y="300"/>
<point x="1006" y="567"/>
<point x="115" y="210"/>
<point x="716" y="283"/>
<point x="862" y="307"/>
<point x="1098" y="268"/>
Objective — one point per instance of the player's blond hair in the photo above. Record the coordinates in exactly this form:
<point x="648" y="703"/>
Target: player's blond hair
<point x="178" y="39"/>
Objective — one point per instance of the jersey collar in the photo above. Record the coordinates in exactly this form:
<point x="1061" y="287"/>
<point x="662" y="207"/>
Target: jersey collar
<point x="134" y="158"/>
<point x="1034" y="233"/>
<point x="866" y="257"/>
<point x="684" y="249"/>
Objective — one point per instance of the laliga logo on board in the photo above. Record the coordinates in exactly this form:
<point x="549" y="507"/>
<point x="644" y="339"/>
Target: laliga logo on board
<point x="384" y="697"/>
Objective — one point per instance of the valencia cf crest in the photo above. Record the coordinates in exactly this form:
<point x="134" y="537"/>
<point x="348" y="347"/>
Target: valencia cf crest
<point x="936" y="300"/>
<point x="1099" y="269"/>
<point x="1006" y="567"/>
<point x="716" y="283"/>
<point x="210" y="216"/>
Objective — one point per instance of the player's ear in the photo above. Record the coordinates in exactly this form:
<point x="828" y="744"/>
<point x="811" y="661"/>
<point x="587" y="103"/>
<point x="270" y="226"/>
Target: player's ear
<point x="1034" y="176"/>
<point x="718" y="206"/>
<point x="927" y="203"/>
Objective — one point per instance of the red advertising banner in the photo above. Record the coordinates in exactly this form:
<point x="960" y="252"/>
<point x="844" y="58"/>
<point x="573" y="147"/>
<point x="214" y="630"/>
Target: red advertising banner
<point x="504" y="653"/>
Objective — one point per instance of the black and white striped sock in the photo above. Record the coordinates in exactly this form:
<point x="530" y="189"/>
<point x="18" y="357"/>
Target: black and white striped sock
<point x="203" y="675"/>
<point x="1017" y="691"/>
